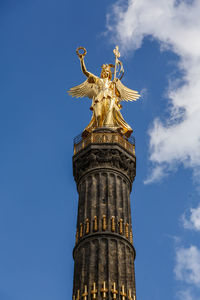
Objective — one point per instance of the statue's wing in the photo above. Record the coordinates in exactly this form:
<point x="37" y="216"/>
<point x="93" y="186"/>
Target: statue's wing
<point x="85" y="89"/>
<point x="126" y="93"/>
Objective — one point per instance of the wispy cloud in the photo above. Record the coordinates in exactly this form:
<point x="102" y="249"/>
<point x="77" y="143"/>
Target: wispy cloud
<point x="187" y="266"/>
<point x="176" y="26"/>
<point x="193" y="221"/>
<point x="186" y="294"/>
<point x="187" y="271"/>
<point x="157" y="174"/>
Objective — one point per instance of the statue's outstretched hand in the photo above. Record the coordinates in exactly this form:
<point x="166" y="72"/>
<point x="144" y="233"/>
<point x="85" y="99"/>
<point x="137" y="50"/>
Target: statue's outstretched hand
<point x="81" y="55"/>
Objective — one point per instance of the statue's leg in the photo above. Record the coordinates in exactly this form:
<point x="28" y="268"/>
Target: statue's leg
<point x="97" y="113"/>
<point x="108" y="118"/>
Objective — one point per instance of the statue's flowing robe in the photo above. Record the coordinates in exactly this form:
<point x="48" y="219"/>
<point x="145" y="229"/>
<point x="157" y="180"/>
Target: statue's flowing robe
<point x="106" y="96"/>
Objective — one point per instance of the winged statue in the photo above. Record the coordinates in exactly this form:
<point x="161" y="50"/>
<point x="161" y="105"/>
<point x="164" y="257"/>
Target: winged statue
<point x="106" y="95"/>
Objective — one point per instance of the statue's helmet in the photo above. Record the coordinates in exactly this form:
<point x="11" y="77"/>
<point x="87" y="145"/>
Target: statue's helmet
<point x="106" y="71"/>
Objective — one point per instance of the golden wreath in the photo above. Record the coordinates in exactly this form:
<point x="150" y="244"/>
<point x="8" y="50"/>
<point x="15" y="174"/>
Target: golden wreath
<point x="79" y="54"/>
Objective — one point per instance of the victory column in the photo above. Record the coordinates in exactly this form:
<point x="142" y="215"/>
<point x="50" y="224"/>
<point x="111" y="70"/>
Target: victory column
<point x="104" y="166"/>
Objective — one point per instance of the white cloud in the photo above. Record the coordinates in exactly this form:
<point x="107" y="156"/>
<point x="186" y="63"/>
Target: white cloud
<point x="187" y="266"/>
<point x="186" y="295"/>
<point x="157" y="174"/>
<point x="194" y="219"/>
<point x="176" y="27"/>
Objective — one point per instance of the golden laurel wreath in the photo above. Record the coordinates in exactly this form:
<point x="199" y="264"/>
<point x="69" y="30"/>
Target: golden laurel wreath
<point x="79" y="53"/>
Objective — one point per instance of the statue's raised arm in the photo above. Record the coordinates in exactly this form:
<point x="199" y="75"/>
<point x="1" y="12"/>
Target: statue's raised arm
<point x="85" y="89"/>
<point x="81" y="57"/>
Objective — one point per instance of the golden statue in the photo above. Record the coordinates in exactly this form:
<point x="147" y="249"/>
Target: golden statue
<point x="106" y="95"/>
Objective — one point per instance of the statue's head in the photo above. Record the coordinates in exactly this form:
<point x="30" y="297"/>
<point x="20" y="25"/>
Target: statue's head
<point x="106" y="71"/>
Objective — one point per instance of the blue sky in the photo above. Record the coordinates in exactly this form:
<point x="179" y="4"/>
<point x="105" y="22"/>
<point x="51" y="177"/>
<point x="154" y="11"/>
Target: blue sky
<point x="160" y="48"/>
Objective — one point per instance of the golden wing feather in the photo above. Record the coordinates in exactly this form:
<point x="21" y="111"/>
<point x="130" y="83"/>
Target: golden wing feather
<point x="85" y="89"/>
<point x="126" y="93"/>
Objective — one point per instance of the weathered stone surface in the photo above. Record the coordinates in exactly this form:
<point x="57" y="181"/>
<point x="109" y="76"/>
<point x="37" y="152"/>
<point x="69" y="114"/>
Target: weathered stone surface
<point x="104" y="156"/>
<point x="104" y="251"/>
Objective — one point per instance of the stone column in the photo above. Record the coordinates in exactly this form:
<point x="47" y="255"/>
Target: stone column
<point x="104" y="169"/>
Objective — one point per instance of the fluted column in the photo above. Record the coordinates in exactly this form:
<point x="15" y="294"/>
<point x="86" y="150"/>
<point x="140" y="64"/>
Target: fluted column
<point x="104" y="253"/>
